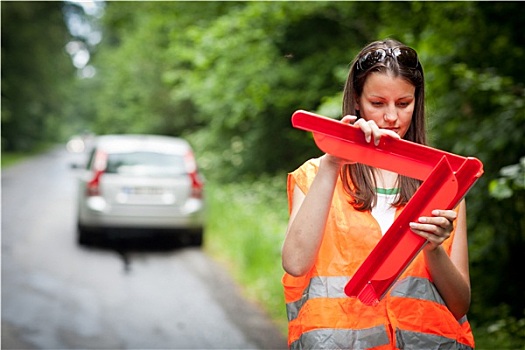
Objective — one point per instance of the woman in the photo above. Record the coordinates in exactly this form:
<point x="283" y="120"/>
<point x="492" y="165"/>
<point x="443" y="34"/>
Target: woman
<point x="340" y="209"/>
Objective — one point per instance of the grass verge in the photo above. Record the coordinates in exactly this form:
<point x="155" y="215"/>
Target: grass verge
<point x="12" y="158"/>
<point x="8" y="159"/>
<point x="246" y="227"/>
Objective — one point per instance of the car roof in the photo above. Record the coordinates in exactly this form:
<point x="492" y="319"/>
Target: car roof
<point x="126" y="143"/>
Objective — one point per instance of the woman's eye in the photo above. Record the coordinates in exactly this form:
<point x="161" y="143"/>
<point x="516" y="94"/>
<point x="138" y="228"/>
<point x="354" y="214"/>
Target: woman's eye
<point x="377" y="103"/>
<point x="403" y="104"/>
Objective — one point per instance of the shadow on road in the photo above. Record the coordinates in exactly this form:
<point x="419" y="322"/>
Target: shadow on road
<point x="127" y="247"/>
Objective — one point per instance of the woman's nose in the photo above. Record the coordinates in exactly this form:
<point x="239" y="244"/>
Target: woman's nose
<point x="390" y="115"/>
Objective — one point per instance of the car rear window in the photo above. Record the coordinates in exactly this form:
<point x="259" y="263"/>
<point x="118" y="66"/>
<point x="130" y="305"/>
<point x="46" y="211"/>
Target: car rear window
<point x="145" y="164"/>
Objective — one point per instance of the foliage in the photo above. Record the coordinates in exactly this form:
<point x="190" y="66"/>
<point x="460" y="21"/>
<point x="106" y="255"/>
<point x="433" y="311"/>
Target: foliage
<point x="511" y="182"/>
<point x="492" y="111"/>
<point x="36" y="73"/>
<point x="245" y="231"/>
<point x="504" y="332"/>
<point x="243" y="98"/>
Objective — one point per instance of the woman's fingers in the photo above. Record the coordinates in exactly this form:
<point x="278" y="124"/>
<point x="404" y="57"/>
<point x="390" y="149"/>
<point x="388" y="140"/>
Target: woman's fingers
<point x="372" y="131"/>
<point x="435" y="229"/>
<point x="365" y="127"/>
<point x="349" y="119"/>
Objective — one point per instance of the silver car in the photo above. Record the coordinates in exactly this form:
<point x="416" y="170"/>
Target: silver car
<point x="140" y="185"/>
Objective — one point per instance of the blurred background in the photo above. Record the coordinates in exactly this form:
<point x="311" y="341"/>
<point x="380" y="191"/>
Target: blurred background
<point x="226" y="77"/>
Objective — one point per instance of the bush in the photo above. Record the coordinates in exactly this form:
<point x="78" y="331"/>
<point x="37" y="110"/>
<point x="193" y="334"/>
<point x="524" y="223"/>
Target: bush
<point x="246" y="228"/>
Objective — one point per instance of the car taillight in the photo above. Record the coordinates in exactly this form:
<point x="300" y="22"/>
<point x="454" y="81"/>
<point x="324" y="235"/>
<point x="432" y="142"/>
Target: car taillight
<point x="93" y="186"/>
<point x="197" y="184"/>
<point x="99" y="167"/>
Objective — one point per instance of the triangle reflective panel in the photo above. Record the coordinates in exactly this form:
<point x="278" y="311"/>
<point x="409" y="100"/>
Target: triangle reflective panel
<point x="446" y="178"/>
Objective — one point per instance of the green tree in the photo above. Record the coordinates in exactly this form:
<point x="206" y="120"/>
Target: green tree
<point x="36" y="73"/>
<point x="251" y="68"/>
<point x="485" y="94"/>
<point x="234" y="71"/>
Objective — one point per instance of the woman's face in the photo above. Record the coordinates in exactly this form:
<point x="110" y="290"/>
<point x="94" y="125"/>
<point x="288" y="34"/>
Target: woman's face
<point x="388" y="101"/>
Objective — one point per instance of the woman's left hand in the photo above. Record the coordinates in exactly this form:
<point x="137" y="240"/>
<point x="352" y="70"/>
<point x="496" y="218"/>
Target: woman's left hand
<point x="435" y="229"/>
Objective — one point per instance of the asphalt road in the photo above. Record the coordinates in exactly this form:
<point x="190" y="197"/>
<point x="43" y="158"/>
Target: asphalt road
<point x="58" y="295"/>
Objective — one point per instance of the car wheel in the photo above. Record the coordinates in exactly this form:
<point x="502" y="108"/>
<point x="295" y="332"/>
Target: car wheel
<point x="83" y="236"/>
<point x="196" y="238"/>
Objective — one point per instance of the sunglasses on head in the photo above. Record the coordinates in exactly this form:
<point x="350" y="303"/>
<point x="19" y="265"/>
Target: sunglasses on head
<point x="403" y="55"/>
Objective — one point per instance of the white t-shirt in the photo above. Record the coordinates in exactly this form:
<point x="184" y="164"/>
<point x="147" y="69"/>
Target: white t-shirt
<point x="383" y="211"/>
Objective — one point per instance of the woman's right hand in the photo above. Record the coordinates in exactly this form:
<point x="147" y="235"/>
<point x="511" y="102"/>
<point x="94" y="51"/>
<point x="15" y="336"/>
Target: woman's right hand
<point x="372" y="131"/>
<point x="336" y="161"/>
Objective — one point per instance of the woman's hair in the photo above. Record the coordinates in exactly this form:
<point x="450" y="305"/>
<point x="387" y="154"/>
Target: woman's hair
<point x="358" y="179"/>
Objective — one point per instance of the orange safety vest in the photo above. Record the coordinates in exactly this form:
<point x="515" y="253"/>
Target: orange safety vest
<point x="320" y="316"/>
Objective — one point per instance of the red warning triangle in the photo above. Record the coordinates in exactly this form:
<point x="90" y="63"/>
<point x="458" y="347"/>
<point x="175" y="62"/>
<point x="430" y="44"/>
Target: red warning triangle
<point x="447" y="178"/>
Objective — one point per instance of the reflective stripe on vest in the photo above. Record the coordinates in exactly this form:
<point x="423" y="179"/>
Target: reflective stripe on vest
<point x="319" y="287"/>
<point x="342" y="339"/>
<point x="417" y="288"/>
<point x="373" y="337"/>
<point x="420" y="288"/>
<point x="333" y="287"/>
<point x="410" y="340"/>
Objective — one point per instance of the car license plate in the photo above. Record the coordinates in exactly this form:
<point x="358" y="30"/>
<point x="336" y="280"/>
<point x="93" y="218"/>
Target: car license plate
<point x="145" y="195"/>
<point x="143" y="191"/>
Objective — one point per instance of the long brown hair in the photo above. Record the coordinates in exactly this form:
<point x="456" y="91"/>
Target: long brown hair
<point x="358" y="179"/>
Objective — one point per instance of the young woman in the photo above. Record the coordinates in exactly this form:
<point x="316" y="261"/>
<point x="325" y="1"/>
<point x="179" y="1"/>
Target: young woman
<point x="339" y="211"/>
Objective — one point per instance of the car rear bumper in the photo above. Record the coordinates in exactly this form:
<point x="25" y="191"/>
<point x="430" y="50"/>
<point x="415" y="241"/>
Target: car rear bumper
<point x="190" y="216"/>
<point x="194" y="221"/>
